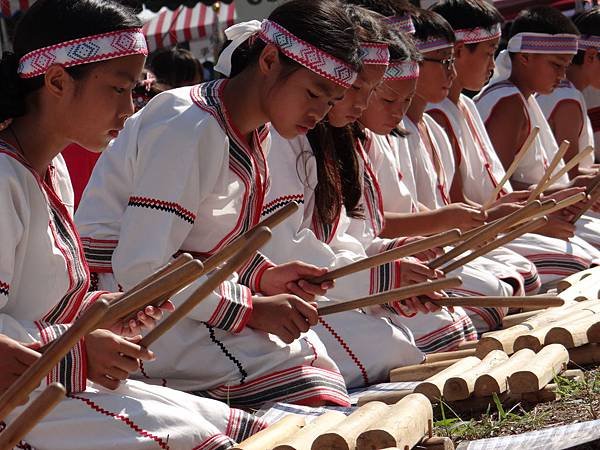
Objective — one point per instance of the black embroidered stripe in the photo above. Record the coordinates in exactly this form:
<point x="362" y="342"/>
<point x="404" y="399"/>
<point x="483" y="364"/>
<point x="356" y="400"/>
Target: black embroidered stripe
<point x="271" y="208"/>
<point x="158" y="207"/>
<point x="574" y="266"/>
<point x="447" y="338"/>
<point x="234" y="309"/>
<point x="4" y="289"/>
<point x="211" y="332"/>
<point x="248" y="272"/>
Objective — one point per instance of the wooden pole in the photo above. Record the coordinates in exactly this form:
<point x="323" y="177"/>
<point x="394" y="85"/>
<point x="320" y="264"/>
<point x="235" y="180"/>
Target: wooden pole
<point x="515" y="319"/>
<point x="496" y="380"/>
<point x="387" y="397"/>
<point x="390" y="296"/>
<point x="513" y="167"/>
<point x="433" y="387"/>
<point x="502" y="302"/>
<point x="404" y="425"/>
<point x="344" y="435"/>
<point x="461" y="386"/>
<point x="257" y="240"/>
<point x="498" y="242"/>
<point x="35" y="412"/>
<point x="574" y="333"/>
<point x="274" y="434"/>
<point x="234" y="246"/>
<point x="445" y="356"/>
<point x="569" y="165"/>
<point x="438" y="240"/>
<point x="485" y="233"/>
<point x="550" y="361"/>
<point x="420" y="372"/>
<point x="303" y="439"/>
<point x="542" y="184"/>
<point x="572" y="280"/>
<point x="167" y="268"/>
<point x="31" y="378"/>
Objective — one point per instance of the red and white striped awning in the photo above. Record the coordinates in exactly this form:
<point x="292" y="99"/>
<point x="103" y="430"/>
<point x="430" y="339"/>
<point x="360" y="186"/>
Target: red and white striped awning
<point x="10" y="7"/>
<point x="187" y="24"/>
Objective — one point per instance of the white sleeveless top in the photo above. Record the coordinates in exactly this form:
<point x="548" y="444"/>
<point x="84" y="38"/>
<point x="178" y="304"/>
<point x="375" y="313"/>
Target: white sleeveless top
<point x="433" y="187"/>
<point x="479" y="165"/>
<point x="566" y="91"/>
<point x="534" y="164"/>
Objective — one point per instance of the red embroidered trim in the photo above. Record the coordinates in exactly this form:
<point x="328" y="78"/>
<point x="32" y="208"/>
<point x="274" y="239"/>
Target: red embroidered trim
<point x="4" y="288"/>
<point x="126" y="420"/>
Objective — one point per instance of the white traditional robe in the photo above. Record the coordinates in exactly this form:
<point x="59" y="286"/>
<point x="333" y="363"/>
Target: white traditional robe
<point x="180" y="178"/>
<point x="481" y="171"/>
<point x="350" y="336"/>
<point x="44" y="283"/>
<point x="534" y="164"/>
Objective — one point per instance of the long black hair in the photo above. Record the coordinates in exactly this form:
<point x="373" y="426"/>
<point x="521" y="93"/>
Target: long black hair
<point x="50" y="22"/>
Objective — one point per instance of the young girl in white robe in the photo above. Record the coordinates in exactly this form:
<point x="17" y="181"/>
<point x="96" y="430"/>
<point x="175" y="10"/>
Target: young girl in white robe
<point x="78" y="60"/>
<point x="189" y="173"/>
<point x="540" y="50"/>
<point x="477" y="27"/>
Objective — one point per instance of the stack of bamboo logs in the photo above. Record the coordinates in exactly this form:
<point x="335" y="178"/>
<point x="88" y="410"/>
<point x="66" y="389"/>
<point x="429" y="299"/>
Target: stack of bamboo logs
<point x="375" y="425"/>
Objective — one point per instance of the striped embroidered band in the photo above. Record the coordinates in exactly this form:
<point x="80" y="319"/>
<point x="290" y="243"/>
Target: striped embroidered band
<point x="402" y="23"/>
<point x="591" y="41"/>
<point x="85" y="50"/>
<point x="407" y="70"/>
<point x="374" y="53"/>
<point x="475" y="35"/>
<point x="307" y="54"/>
<point x="432" y="44"/>
<point x="564" y="44"/>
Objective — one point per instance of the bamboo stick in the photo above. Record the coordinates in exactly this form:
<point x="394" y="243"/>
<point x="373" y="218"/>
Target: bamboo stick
<point x="420" y="372"/>
<point x="550" y="361"/>
<point x="274" y="434"/>
<point x="438" y="240"/>
<point x="257" y="240"/>
<point x="304" y="438"/>
<point x="515" y="319"/>
<point x="445" y="356"/>
<point x="343" y="436"/>
<point x="35" y="412"/>
<point x="404" y="425"/>
<point x="564" y="203"/>
<point x="31" y="378"/>
<point x="461" y="386"/>
<point x="496" y="380"/>
<point x="542" y="184"/>
<point x="167" y="268"/>
<point x="513" y="167"/>
<point x="508" y="237"/>
<point x="485" y="233"/>
<point x="390" y="296"/>
<point x="467" y="344"/>
<point x="501" y="302"/>
<point x="569" y="165"/>
<point x="593" y="197"/>
<point x="386" y="397"/>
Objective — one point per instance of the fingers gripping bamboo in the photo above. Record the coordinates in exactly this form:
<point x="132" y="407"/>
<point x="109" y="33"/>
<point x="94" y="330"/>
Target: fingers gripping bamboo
<point x="438" y="240"/>
<point x="571" y="164"/>
<point x="36" y="411"/>
<point x="31" y="378"/>
<point x="257" y="240"/>
<point x="508" y="237"/>
<point x="513" y="167"/>
<point x="593" y="197"/>
<point x="564" y="146"/>
<point x="484" y="234"/>
<point x="390" y="296"/>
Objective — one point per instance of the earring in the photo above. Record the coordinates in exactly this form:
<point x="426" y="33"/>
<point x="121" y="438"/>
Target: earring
<point x="4" y="125"/>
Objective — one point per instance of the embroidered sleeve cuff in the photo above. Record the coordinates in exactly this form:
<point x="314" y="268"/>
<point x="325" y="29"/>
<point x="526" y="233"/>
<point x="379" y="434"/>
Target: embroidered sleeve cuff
<point x="71" y="372"/>
<point x="385" y="277"/>
<point x="252" y="272"/>
<point x="233" y="309"/>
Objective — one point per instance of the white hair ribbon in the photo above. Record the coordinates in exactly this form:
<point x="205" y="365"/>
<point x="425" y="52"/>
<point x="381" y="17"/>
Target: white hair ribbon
<point x="237" y="34"/>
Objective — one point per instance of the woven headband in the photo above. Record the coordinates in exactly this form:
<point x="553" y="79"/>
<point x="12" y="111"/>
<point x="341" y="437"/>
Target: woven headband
<point x="591" y="41"/>
<point x="432" y="44"/>
<point x="407" y="70"/>
<point x="374" y="53"/>
<point x="476" y="35"/>
<point x="291" y="46"/>
<point x="100" y="47"/>
<point x="402" y="23"/>
<point x="564" y="44"/>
